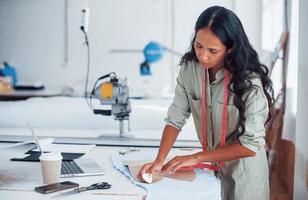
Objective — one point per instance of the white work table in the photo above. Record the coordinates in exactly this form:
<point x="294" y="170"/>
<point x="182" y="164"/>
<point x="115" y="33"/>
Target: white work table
<point x="18" y="179"/>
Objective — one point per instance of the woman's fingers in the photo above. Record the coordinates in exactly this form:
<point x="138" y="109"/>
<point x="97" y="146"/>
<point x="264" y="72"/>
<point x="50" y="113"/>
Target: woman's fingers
<point x="170" y="166"/>
<point x="177" y="167"/>
<point x="150" y="168"/>
<point x="156" y="168"/>
<point x="178" y="162"/>
<point x="145" y="168"/>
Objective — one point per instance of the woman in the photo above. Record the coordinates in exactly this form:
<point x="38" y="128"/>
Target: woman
<point x="228" y="91"/>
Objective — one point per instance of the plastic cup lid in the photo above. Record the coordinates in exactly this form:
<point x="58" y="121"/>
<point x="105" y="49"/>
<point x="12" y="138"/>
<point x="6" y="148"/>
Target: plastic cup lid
<point x="51" y="156"/>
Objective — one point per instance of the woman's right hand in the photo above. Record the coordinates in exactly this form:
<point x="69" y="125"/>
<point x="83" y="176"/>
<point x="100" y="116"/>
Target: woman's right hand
<point x="150" y="168"/>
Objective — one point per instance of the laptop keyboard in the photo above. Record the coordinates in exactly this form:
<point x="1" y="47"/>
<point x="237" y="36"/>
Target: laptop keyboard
<point x="70" y="167"/>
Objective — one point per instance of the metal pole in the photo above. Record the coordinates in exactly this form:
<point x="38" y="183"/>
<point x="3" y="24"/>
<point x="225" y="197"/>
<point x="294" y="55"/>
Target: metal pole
<point x="121" y="127"/>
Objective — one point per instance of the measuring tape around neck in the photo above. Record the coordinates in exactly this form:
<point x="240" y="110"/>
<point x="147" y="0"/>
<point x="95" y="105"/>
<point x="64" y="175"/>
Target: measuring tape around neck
<point x="204" y="117"/>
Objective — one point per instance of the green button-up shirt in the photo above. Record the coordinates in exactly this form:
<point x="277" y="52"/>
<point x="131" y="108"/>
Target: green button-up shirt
<point x="245" y="178"/>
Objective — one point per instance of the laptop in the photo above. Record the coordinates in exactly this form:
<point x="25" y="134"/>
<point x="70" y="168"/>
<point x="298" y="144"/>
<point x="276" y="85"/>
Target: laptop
<point x="78" y="167"/>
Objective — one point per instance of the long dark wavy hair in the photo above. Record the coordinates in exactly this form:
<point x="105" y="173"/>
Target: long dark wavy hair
<point x="241" y="61"/>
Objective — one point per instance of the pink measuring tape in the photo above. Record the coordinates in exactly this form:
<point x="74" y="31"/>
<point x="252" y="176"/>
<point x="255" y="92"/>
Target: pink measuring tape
<point x="224" y="121"/>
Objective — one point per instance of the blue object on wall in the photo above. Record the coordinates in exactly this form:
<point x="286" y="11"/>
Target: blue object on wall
<point x="145" y="69"/>
<point x="9" y="71"/>
<point x="153" y="52"/>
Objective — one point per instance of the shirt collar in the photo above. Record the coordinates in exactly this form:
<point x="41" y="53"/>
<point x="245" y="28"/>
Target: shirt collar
<point x="220" y="74"/>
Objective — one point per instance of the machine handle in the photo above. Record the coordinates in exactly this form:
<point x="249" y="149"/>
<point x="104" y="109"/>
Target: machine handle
<point x="102" y="112"/>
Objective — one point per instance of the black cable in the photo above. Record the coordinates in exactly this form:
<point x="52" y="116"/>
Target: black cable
<point x="88" y="69"/>
<point x="89" y="100"/>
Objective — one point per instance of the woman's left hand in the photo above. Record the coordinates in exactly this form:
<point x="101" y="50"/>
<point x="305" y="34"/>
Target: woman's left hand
<point x="180" y="161"/>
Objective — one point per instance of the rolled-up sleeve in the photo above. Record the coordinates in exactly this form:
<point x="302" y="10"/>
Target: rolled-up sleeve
<point x="178" y="111"/>
<point x="256" y="114"/>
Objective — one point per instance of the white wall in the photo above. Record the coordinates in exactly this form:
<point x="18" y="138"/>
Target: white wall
<point x="32" y="38"/>
<point x="250" y="13"/>
<point x="289" y="125"/>
<point x="301" y="138"/>
<point x="35" y="38"/>
<point x="272" y="23"/>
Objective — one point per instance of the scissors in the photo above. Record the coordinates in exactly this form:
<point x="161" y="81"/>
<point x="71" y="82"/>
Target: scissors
<point x="96" y="186"/>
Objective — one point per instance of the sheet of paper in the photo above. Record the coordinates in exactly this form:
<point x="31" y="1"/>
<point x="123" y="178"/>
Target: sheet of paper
<point x="134" y="170"/>
<point x="135" y="166"/>
<point x="67" y="148"/>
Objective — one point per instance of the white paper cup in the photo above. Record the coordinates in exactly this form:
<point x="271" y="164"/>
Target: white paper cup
<point x="51" y="167"/>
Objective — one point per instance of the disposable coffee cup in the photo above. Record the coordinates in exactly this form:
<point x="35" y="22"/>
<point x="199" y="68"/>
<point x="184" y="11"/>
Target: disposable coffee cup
<point x="51" y="167"/>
